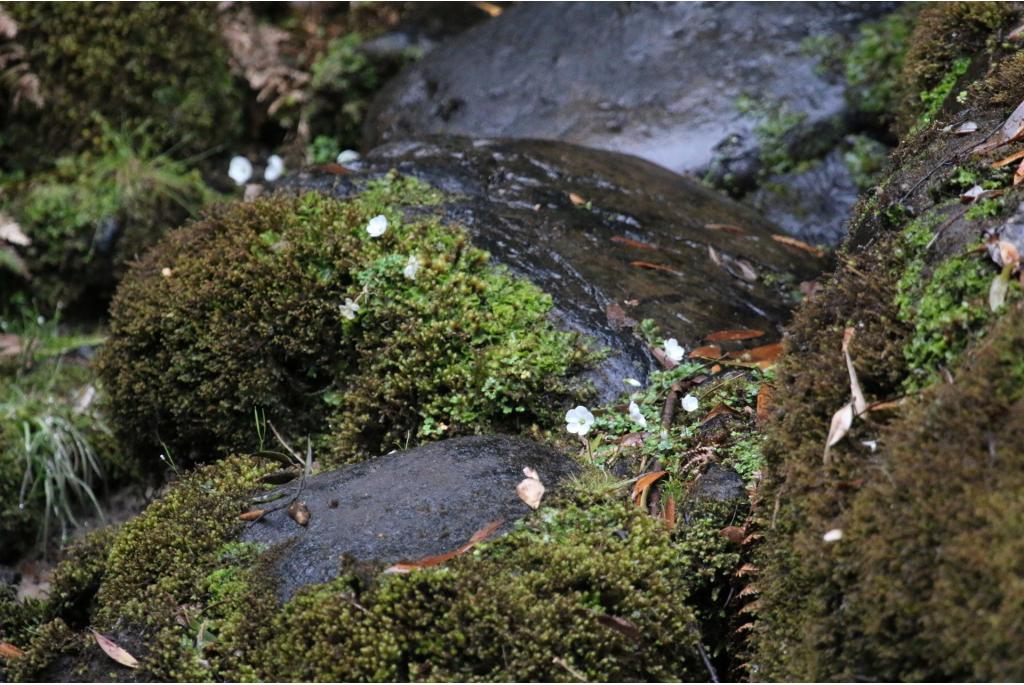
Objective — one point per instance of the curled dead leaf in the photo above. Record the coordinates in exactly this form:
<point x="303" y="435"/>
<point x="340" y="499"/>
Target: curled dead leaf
<point x="706" y="352"/>
<point x="299" y="512"/>
<point x="651" y="266"/>
<point x="841" y="422"/>
<point x="733" y="534"/>
<point x="617" y="317"/>
<point x="629" y="242"/>
<point x="9" y="651"/>
<point x="669" y="514"/>
<point x="860" y="405"/>
<point x="643" y="484"/>
<point x="966" y="128"/>
<point x="763" y="356"/>
<point x="252" y="515"/>
<point x="530" y="489"/>
<point x="1018" y="175"/>
<point x="764" y="403"/>
<point x="1009" y="159"/>
<point x="479" y="536"/>
<point x="577" y="199"/>
<point x="747" y="570"/>
<point x="1010" y="131"/>
<point x="726" y="228"/>
<point x="114" y="650"/>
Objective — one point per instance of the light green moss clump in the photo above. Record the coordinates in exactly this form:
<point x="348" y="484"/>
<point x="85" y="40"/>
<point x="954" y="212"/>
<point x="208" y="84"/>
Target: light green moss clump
<point x="287" y="309"/>
<point x="873" y="63"/>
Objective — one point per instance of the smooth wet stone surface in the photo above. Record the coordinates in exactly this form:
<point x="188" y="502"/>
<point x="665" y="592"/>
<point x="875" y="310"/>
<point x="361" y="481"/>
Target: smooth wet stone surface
<point x="643" y="243"/>
<point x="664" y="81"/>
<point x="404" y="506"/>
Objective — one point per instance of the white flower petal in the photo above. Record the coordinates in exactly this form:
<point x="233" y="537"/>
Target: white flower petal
<point x="240" y="170"/>
<point x="412" y="267"/>
<point x="834" y="535"/>
<point x="377" y="225"/>
<point x="346" y="156"/>
<point x="275" y="168"/>
<point x="673" y="350"/>
<point x="633" y="382"/>
<point x="636" y="416"/>
<point x="690" y="403"/>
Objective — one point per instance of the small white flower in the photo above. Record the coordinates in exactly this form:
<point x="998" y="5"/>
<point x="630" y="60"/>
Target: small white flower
<point x="240" y="170"/>
<point x="346" y="156"/>
<point x="633" y="382"/>
<point x="690" y="403"/>
<point x="674" y="351"/>
<point x="834" y="535"/>
<point x="40" y="320"/>
<point x="412" y="267"/>
<point x="377" y="226"/>
<point x="870" y="444"/>
<point x="636" y="416"/>
<point x="275" y="167"/>
<point x="579" y="420"/>
<point x="349" y="309"/>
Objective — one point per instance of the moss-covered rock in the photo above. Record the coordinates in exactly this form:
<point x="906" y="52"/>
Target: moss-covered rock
<point x="123" y="63"/>
<point x="91" y="214"/>
<point x="921" y="489"/>
<point x="287" y="311"/>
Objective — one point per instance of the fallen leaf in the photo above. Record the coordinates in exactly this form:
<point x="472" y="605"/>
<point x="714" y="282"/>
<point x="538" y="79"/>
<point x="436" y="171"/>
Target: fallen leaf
<point x="299" y="512"/>
<point x="10" y="231"/>
<point x="799" y="244"/>
<point x="1018" y="175"/>
<point x="966" y="128"/>
<point x="1009" y="132"/>
<point x="841" y="422"/>
<point x="746" y="627"/>
<point x="617" y="317"/>
<point x="629" y="242"/>
<point x="332" y="168"/>
<point x="576" y="199"/>
<point x="762" y="356"/>
<point x="747" y="570"/>
<point x="717" y="368"/>
<point x="1000" y="286"/>
<point x="733" y="534"/>
<point x="643" y="484"/>
<point x="719" y="410"/>
<point x="651" y="266"/>
<point x="663" y="358"/>
<point x="632" y="440"/>
<point x="489" y="8"/>
<point x="971" y="194"/>
<point x="115" y="651"/>
<point x="726" y="228"/>
<point x="479" y="536"/>
<point x="1009" y="159"/>
<point x="737" y="334"/>
<point x="670" y="512"/>
<point x="530" y="489"/>
<point x="764" y="403"/>
<point x="620" y="625"/>
<point x="860" y="405"/>
<point x="10" y="345"/>
<point x="9" y="651"/>
<point x="253" y="515"/>
<point x="706" y="352"/>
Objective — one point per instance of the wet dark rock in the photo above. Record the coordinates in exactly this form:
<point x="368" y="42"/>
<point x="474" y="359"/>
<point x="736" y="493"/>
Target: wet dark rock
<point x="719" y="484"/>
<point x="404" y="506"/>
<point x="684" y="85"/>
<point x="814" y="204"/>
<point x="9" y="576"/>
<point x="422" y="28"/>
<point x="640" y="241"/>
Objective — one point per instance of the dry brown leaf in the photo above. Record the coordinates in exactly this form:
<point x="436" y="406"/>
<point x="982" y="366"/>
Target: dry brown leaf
<point x="860" y="405"/>
<point x="966" y="128"/>
<point x="617" y="317"/>
<point x="841" y="422"/>
<point x="299" y="512"/>
<point x="10" y="345"/>
<point x="670" y="512"/>
<point x="1010" y="131"/>
<point x="479" y="536"/>
<point x="577" y="199"/>
<point x="252" y="515"/>
<point x="621" y="625"/>
<point x="1018" y="175"/>
<point x="726" y="228"/>
<point x="489" y="8"/>
<point x="115" y="651"/>
<point x="10" y="231"/>
<point x="799" y="244"/>
<point x="1008" y="253"/>
<point x="746" y="627"/>
<point x="530" y="489"/>
<point x="764" y="403"/>
<point x="706" y="352"/>
<point x="9" y="651"/>
<point x="651" y="266"/>
<point x="747" y="570"/>
<point x="737" y="334"/>
<point x="8" y="27"/>
<point x="719" y="410"/>
<point x="733" y="534"/>
<point x="643" y="484"/>
<point x="762" y="356"/>
<point x="632" y="439"/>
<point x="629" y="242"/>
<point x="748" y="591"/>
<point x="1009" y="159"/>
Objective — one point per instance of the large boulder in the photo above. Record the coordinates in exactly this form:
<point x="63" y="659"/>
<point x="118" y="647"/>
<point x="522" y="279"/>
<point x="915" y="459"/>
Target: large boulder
<point x="404" y="506"/>
<point x="614" y="239"/>
<point x="689" y="86"/>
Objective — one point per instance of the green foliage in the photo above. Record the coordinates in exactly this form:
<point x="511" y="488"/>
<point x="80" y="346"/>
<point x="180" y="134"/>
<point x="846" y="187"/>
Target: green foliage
<point x="323" y="150"/>
<point x="776" y="121"/>
<point x="932" y="100"/>
<point x="872" y="65"/>
<point x="94" y="212"/>
<point x="252" y="315"/>
<point x="865" y="159"/>
<point x="125" y="63"/>
<point x="52" y="450"/>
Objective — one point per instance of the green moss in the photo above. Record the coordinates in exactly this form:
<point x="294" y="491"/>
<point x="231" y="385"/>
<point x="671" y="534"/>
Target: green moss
<point x="865" y="158"/>
<point x="126" y="64"/>
<point x="945" y="34"/>
<point x="873" y="64"/>
<point x="93" y="213"/>
<point x="252" y="317"/>
<point x="776" y="122"/>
